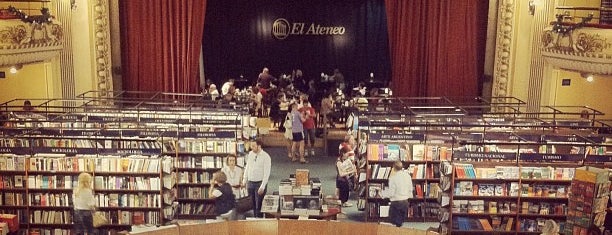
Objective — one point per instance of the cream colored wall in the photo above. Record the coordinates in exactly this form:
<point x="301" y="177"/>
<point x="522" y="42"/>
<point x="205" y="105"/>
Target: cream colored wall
<point x="83" y="46"/>
<point x="522" y="52"/>
<point x="34" y="81"/>
<point x="580" y="92"/>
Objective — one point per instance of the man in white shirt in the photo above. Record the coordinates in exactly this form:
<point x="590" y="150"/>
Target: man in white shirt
<point x="256" y="175"/>
<point x="400" y="190"/>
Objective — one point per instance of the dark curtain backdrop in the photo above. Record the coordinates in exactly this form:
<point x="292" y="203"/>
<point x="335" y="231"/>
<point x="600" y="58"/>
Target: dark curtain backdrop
<point x="161" y="43"/>
<point x="437" y="47"/>
<point x="238" y="39"/>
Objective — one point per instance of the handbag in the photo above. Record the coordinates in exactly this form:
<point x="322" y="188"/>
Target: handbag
<point x="244" y="204"/>
<point x="99" y="219"/>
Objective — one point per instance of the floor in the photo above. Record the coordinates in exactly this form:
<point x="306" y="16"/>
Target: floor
<point x="321" y="166"/>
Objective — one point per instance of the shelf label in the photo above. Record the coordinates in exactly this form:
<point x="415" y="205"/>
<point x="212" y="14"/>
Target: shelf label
<point x="79" y="133"/>
<point x="551" y="157"/>
<point x="530" y="138"/>
<point x="104" y="119"/>
<point x="131" y="151"/>
<point x="210" y="121"/>
<point x="563" y="138"/>
<point x="29" y="132"/>
<point x="484" y="155"/>
<point x="110" y="133"/>
<point x="64" y="150"/>
<point x="15" y="150"/>
<point x="72" y="117"/>
<point x="598" y="158"/>
<point x="158" y="120"/>
<point x="397" y="136"/>
<point x="216" y="134"/>
<point x="574" y="123"/>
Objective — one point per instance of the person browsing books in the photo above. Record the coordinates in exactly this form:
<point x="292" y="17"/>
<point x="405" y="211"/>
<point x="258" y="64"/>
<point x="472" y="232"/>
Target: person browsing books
<point x="256" y="175"/>
<point x="84" y="204"/>
<point x="346" y="171"/>
<point x="400" y="190"/>
<point x="234" y="174"/>
<point x="297" y="130"/>
<point x="225" y="200"/>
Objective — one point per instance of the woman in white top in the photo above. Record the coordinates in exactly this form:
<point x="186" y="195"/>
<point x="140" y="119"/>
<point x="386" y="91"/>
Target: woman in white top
<point x="83" y="205"/>
<point x="234" y="174"/>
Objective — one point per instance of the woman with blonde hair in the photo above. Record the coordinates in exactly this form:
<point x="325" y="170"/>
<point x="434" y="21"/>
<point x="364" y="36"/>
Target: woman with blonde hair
<point x="83" y="201"/>
<point x="234" y="174"/>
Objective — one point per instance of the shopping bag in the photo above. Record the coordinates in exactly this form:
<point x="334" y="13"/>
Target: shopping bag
<point x="99" y="219"/>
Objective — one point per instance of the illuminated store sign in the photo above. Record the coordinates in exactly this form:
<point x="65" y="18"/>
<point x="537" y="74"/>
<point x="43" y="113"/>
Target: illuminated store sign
<point x="281" y="29"/>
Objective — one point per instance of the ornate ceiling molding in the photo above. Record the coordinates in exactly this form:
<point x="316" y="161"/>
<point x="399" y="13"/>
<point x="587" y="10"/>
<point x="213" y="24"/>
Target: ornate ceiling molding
<point x="503" y="50"/>
<point x="25" y="43"/>
<point x="587" y="50"/>
<point x="102" y="44"/>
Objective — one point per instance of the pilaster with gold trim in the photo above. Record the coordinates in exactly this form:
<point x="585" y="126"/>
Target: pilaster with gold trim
<point x="102" y="51"/>
<point x="503" y="49"/>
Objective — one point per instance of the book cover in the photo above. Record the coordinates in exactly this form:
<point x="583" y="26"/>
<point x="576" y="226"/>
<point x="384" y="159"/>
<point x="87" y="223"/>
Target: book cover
<point x="302" y="177"/>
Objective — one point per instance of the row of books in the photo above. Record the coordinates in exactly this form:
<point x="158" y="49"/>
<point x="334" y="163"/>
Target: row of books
<point x="544" y="208"/>
<point x="536" y="225"/>
<point x="146" y="200"/>
<point x="544" y="190"/>
<point x="196" y="208"/>
<point x="127" y="183"/>
<point x="99" y="144"/>
<point x="205" y="146"/>
<point x="550" y="173"/>
<point x="193" y="192"/>
<point x="415" y="210"/>
<point x="50" y="217"/>
<point x="12" y="162"/>
<point x="50" y="181"/>
<point x="132" y="217"/>
<point x="495" y="223"/>
<point x="134" y="163"/>
<point x="194" y="177"/>
<point x="80" y="163"/>
<point x="468" y="171"/>
<point x="12" y="199"/>
<point x="201" y="162"/>
<point x="50" y="199"/>
<point x="469" y="188"/>
<point x="484" y="206"/>
<point x="407" y="152"/>
<point x="11" y="181"/>
<point x="44" y="231"/>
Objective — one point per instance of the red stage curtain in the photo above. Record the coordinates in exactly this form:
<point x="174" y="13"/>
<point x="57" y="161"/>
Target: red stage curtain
<point x="161" y="43"/>
<point x="436" y="47"/>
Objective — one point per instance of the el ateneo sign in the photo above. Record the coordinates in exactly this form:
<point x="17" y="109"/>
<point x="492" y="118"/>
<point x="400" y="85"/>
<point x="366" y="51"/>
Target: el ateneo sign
<point x="282" y="28"/>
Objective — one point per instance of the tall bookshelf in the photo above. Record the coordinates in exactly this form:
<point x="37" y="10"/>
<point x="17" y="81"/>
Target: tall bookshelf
<point x="420" y="159"/>
<point x="131" y="154"/>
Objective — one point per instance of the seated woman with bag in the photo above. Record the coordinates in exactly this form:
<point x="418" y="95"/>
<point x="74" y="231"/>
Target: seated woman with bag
<point x="224" y="197"/>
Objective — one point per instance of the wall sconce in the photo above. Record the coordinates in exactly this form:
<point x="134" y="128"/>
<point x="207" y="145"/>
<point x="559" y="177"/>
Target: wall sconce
<point x="589" y="76"/>
<point x="15" y="68"/>
<point x="532" y="7"/>
<point x="73" y="5"/>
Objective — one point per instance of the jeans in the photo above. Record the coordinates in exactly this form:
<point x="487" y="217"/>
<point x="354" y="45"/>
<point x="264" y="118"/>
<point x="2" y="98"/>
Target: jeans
<point x="83" y="222"/>
<point x="252" y="188"/>
<point x="398" y="211"/>
<point x="343" y="188"/>
<point x="309" y="136"/>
